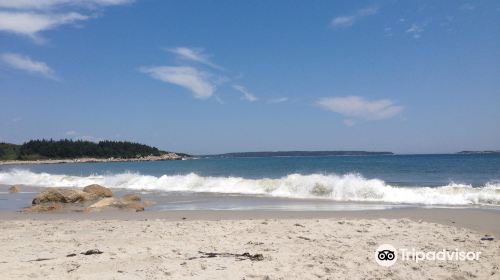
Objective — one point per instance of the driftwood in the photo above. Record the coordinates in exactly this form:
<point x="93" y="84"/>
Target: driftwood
<point x="92" y="252"/>
<point x="239" y="257"/>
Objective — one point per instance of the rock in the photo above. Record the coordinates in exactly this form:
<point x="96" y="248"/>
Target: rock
<point x="59" y="195"/>
<point x="105" y="202"/>
<point x="40" y="208"/>
<point x="14" y="189"/>
<point x="113" y="202"/>
<point x="98" y="190"/>
<point x="137" y="207"/>
<point x="130" y="197"/>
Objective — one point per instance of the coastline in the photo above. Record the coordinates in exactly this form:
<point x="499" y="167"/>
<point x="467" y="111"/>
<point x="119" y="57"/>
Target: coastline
<point x="164" y="157"/>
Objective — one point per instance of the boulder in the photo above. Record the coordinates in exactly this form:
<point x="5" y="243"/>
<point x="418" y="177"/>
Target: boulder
<point x="14" y="189"/>
<point x="98" y="190"/>
<point x="40" y="208"/>
<point x="130" y="197"/>
<point x="134" y="206"/>
<point x="105" y="202"/>
<point x="120" y="204"/>
<point x="60" y="195"/>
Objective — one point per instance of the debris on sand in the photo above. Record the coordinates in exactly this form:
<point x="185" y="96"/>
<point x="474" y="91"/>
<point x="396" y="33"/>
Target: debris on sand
<point x="92" y="252"/>
<point x="239" y="257"/>
<point x="487" y="238"/>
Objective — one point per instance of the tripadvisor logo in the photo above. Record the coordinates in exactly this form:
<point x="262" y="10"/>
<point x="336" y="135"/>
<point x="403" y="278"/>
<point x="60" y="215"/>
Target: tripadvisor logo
<point x="387" y="255"/>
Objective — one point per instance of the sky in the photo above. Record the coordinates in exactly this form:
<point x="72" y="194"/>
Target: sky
<point x="221" y="76"/>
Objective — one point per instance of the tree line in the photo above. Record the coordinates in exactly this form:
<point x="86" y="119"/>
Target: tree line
<point x="68" y="149"/>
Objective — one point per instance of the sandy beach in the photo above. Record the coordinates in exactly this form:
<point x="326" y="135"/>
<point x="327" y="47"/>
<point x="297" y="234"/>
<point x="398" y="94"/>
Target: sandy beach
<point x="245" y="244"/>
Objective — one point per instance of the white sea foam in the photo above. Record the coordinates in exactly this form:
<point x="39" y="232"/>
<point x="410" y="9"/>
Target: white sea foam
<point x="348" y="187"/>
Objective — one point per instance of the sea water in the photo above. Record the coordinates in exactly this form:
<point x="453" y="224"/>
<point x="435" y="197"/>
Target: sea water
<point x="323" y="183"/>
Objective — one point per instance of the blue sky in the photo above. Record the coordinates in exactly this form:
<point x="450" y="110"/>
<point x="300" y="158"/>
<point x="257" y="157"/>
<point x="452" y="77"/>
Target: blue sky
<point x="225" y="76"/>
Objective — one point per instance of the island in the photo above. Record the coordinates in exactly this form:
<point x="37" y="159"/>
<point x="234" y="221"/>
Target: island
<point x="302" y="154"/>
<point x="479" y="152"/>
<point x="66" y="150"/>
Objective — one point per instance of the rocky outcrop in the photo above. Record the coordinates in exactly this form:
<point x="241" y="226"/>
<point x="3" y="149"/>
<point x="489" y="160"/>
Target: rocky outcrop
<point x="14" y="189"/>
<point x="98" y="190"/>
<point x="60" y="195"/>
<point x="166" y="156"/>
<point x="127" y="202"/>
<point x="130" y="197"/>
<point x="46" y="207"/>
<point x="133" y="206"/>
<point x="91" y="198"/>
<point x="103" y="203"/>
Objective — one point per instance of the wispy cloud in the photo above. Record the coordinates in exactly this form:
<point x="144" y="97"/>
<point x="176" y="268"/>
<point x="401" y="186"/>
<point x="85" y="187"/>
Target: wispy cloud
<point x="71" y="133"/>
<point x="355" y="107"/>
<point x="247" y="95"/>
<point x="388" y="31"/>
<point x="349" y="20"/>
<point x="51" y="4"/>
<point x="30" y="24"/>
<point x="24" y="63"/>
<point x="193" y="54"/>
<point x="201" y="81"/>
<point x="31" y="17"/>
<point x="415" y="30"/>
<point x="196" y="81"/>
<point x="277" y="100"/>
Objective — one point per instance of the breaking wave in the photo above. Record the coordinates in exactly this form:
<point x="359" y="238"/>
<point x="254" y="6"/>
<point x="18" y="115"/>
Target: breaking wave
<point x="348" y="187"/>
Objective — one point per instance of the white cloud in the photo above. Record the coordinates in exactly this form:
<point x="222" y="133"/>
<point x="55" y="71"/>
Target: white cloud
<point x="278" y="100"/>
<point x="71" y="133"/>
<point x="25" y="63"/>
<point x="415" y="30"/>
<point x="31" y="17"/>
<point x="348" y="20"/>
<point x="247" y="95"/>
<point x="343" y="21"/>
<point x="355" y="107"/>
<point x="30" y="24"/>
<point x="202" y="84"/>
<point x="195" y="55"/>
<point x="52" y="4"/>
<point x="196" y="81"/>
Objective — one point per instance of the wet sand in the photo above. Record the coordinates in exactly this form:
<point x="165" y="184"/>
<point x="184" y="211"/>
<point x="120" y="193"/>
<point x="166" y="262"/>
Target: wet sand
<point x="485" y="221"/>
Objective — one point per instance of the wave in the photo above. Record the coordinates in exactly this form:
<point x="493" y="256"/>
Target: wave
<point x="348" y="187"/>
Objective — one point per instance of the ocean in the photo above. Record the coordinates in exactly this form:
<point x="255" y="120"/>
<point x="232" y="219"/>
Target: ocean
<point x="286" y="183"/>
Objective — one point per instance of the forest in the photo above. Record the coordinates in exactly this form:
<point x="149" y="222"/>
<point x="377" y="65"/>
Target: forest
<point x="70" y="149"/>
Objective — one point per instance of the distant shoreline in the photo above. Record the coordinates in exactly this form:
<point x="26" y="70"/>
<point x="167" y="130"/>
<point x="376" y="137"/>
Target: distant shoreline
<point x="299" y="154"/>
<point x="164" y="157"/>
<point x="479" y="153"/>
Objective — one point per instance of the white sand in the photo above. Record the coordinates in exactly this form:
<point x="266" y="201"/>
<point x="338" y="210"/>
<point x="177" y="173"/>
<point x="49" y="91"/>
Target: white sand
<point x="159" y="249"/>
